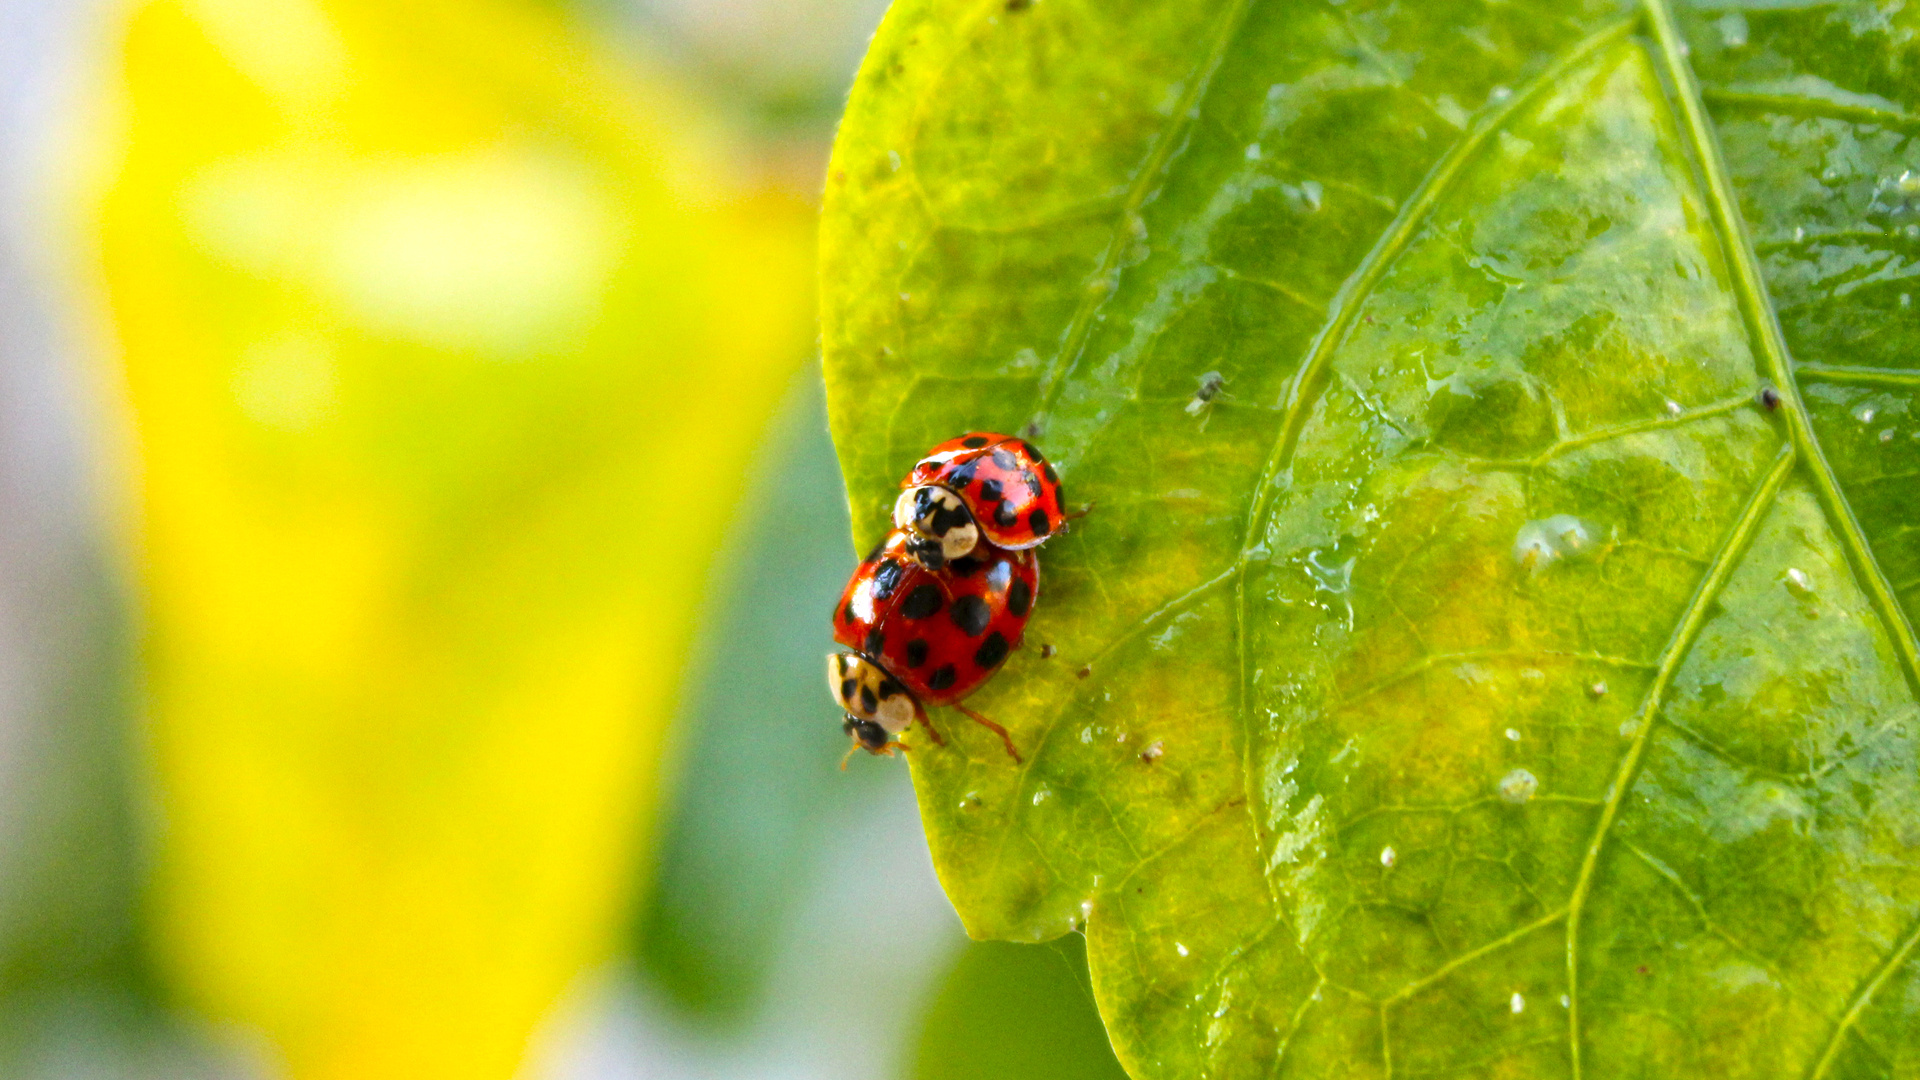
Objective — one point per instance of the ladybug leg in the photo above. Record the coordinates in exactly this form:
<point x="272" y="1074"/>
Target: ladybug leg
<point x="932" y="732"/>
<point x="1085" y="509"/>
<point x="885" y="751"/>
<point x="993" y="727"/>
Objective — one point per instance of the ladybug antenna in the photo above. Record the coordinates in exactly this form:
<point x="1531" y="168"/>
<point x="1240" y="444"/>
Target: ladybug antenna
<point x="847" y="757"/>
<point x="995" y="728"/>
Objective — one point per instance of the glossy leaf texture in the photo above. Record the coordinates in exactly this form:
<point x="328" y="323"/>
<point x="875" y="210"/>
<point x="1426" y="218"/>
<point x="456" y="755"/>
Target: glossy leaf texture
<point x="1511" y="671"/>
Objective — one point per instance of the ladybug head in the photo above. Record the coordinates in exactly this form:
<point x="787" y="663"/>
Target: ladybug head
<point x="868" y="735"/>
<point x="877" y="706"/>
<point x="939" y="525"/>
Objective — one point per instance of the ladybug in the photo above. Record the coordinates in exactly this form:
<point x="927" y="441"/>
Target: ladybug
<point x="923" y="637"/>
<point x="978" y="487"/>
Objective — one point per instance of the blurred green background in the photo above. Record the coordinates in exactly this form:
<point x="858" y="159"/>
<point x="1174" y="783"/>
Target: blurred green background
<point x="417" y="524"/>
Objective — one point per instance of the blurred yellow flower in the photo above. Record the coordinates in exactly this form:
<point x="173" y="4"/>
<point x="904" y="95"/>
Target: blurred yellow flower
<point x="445" y="343"/>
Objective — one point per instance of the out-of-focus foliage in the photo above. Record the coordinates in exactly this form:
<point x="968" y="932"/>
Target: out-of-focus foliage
<point x="1512" y="672"/>
<point x="784" y="63"/>
<point x="446" y="343"/>
<point x="1015" y="1012"/>
<point x="759" y="791"/>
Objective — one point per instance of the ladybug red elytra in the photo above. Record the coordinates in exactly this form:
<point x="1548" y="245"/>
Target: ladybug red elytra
<point x="979" y="487"/>
<point x="923" y="637"/>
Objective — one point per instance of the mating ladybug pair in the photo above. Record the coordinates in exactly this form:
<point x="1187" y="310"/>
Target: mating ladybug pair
<point x="936" y="608"/>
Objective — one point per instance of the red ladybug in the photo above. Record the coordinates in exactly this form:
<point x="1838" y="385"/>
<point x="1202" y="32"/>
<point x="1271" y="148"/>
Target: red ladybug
<point x="978" y="486"/>
<point x="924" y="637"/>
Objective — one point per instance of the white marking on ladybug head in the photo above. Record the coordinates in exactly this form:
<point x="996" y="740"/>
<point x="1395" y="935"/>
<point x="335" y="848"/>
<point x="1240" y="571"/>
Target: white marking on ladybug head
<point x="895" y="713"/>
<point x="937" y="514"/>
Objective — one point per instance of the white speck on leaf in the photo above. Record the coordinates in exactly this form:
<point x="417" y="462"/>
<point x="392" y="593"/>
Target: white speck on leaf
<point x="1518" y="1004"/>
<point x="1387" y="857"/>
<point x="1518" y="786"/>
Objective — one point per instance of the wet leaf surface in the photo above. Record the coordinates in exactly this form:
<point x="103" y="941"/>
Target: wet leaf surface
<point x="1511" y="671"/>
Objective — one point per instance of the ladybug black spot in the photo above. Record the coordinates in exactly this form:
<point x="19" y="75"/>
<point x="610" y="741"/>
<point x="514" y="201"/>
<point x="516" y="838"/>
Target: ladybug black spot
<point x="928" y="553"/>
<point x="943" y="678"/>
<point x="974" y="442"/>
<point x="944" y="520"/>
<point x="846" y="691"/>
<point x="989" y="491"/>
<point x="1004" y="517"/>
<point x="965" y="566"/>
<point x="991" y="651"/>
<point x="1042" y="525"/>
<point x="963" y="475"/>
<point x="1027" y="449"/>
<point x="1005" y="460"/>
<point x="1019" y="597"/>
<point x="868" y="702"/>
<point x="1046" y="470"/>
<point x="846" y="613"/>
<point x="886" y="579"/>
<point x="916" y="652"/>
<point x="971" y="615"/>
<point x="876" y="641"/>
<point x="922" y="602"/>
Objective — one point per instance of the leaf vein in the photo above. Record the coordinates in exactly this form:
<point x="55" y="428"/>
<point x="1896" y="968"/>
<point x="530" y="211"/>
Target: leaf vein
<point x="1798" y="105"/>
<point x="1149" y="179"/>
<point x="1862" y="998"/>
<point x="1764" y="328"/>
<point x="1677" y="647"/>
<point x="1867" y="375"/>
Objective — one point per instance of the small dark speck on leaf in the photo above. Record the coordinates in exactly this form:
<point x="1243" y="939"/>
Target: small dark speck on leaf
<point x="1643" y="970"/>
<point x="1769" y="398"/>
<point x="1033" y="430"/>
<point x="1046" y="652"/>
<point x="1152" y="753"/>
<point x="1084" y="672"/>
<point x="1019" y="5"/>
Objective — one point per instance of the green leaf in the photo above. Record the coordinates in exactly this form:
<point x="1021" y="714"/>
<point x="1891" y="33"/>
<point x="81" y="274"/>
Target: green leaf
<point x="1489" y="682"/>
<point x="1015" y="1012"/>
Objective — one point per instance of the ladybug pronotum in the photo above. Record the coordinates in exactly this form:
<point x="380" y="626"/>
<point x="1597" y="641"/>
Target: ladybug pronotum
<point x="979" y="489"/>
